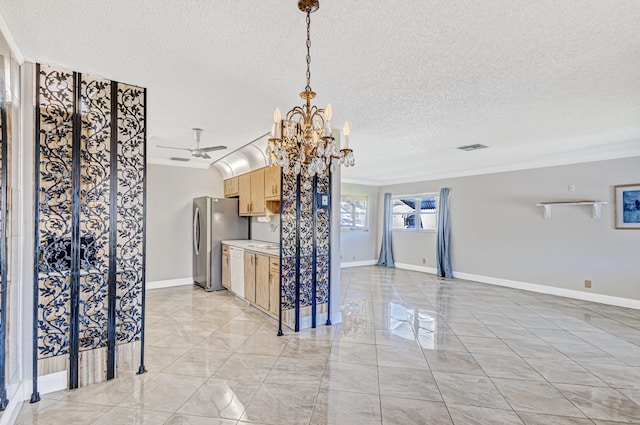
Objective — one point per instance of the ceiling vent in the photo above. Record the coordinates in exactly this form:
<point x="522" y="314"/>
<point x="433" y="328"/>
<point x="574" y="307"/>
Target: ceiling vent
<point x="472" y="147"/>
<point x="173" y="158"/>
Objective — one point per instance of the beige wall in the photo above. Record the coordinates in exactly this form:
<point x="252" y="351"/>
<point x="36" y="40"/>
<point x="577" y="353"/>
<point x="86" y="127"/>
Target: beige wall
<point x="498" y="232"/>
<point x="360" y="246"/>
<point x="170" y="191"/>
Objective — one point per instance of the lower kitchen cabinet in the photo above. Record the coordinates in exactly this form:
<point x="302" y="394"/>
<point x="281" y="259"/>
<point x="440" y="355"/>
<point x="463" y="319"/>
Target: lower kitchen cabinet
<point x="274" y="286"/>
<point x="262" y="281"/>
<point x="226" y="271"/>
<point x="250" y="277"/>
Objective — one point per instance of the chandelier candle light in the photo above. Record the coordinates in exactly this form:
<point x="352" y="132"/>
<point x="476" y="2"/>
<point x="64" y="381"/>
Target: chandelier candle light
<point x="304" y="138"/>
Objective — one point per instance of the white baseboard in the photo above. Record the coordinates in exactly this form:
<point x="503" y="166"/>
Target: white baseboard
<point x="15" y="396"/>
<point x="19" y="393"/>
<point x="170" y="283"/>
<point x="46" y="384"/>
<point x="348" y="264"/>
<point x="412" y="267"/>
<point x="533" y="287"/>
<point x="551" y="290"/>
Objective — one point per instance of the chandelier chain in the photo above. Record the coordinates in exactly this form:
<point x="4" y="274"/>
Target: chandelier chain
<point x="308" y="87"/>
<point x="304" y="142"/>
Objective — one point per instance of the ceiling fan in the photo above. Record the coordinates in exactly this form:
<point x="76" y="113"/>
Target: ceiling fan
<point x="197" y="152"/>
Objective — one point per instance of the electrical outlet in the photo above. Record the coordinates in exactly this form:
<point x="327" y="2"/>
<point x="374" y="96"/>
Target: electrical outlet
<point x="424" y="261"/>
<point x="571" y="188"/>
<point x="587" y="284"/>
<point x="354" y="257"/>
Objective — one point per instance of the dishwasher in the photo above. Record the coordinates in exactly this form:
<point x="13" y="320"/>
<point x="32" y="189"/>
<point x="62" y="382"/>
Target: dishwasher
<point x="236" y="269"/>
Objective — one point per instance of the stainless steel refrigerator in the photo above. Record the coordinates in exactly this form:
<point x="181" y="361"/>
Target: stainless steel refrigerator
<point x="214" y="220"/>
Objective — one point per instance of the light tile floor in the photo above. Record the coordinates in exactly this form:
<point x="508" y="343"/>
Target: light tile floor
<point x="412" y="349"/>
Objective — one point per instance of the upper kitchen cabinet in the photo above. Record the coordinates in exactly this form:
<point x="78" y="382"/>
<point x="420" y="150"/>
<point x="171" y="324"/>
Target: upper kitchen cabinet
<point x="251" y="193"/>
<point x="244" y="193"/>
<point x="272" y="190"/>
<point x="231" y="187"/>
<point x="257" y="192"/>
<point x="272" y="183"/>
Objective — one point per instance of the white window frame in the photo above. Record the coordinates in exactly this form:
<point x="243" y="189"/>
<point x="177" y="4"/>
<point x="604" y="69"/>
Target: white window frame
<point x="353" y="228"/>
<point x="416" y="211"/>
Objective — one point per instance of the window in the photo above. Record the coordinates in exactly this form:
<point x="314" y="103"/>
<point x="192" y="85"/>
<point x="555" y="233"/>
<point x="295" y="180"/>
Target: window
<point x="414" y="213"/>
<point x="354" y="213"/>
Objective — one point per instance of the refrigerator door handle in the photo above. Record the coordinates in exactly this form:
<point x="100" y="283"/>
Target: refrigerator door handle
<point x="196" y="231"/>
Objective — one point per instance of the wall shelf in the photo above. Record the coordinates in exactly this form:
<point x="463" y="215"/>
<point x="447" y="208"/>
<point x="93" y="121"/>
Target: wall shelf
<point x="597" y="206"/>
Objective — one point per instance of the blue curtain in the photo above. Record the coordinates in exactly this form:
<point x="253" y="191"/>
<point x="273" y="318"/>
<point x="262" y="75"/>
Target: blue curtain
<point x="386" y="256"/>
<point x="443" y="255"/>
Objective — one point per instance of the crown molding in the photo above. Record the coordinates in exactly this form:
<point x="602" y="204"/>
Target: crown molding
<point x="568" y="158"/>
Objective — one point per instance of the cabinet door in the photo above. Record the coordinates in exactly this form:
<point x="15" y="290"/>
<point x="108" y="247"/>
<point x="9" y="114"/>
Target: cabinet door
<point x="244" y="192"/>
<point x="226" y="272"/>
<point x="250" y="277"/>
<point x="226" y="188"/>
<point x="262" y="281"/>
<point x="272" y="183"/>
<point x="257" y="192"/>
<point x="274" y="285"/>
<point x="231" y="187"/>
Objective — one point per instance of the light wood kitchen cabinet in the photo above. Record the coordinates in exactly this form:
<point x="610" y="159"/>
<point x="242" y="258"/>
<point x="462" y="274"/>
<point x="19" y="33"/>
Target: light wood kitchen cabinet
<point x="274" y="285"/>
<point x="231" y="187"/>
<point x="250" y="277"/>
<point x="244" y="193"/>
<point x="257" y="192"/>
<point x="226" y="271"/>
<point x="251" y="193"/>
<point x="272" y="183"/>
<point x="262" y="281"/>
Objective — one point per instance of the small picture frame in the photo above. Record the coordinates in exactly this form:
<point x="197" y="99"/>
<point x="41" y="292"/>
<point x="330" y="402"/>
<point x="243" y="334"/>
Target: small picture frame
<point x="627" y="206"/>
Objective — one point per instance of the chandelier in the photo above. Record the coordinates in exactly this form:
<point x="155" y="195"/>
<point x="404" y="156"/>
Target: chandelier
<point x="304" y="139"/>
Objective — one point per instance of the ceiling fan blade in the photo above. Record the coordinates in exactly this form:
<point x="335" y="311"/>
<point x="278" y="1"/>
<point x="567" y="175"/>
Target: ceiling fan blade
<point x="173" y="147"/>
<point x="200" y="154"/>
<point x="212" y="148"/>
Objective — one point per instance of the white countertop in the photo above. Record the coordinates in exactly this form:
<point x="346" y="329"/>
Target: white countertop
<point x="262" y="247"/>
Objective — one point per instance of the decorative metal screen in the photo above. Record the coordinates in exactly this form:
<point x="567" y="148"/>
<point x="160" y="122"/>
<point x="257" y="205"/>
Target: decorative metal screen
<point x="323" y="246"/>
<point x="53" y="211"/>
<point x="305" y="247"/>
<point x="130" y="212"/>
<point x="95" y="110"/>
<point x="90" y="218"/>
<point x="289" y="241"/>
<point x="4" y="151"/>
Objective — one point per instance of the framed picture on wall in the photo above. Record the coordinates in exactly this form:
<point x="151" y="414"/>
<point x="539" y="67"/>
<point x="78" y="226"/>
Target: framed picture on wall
<point x="628" y="206"/>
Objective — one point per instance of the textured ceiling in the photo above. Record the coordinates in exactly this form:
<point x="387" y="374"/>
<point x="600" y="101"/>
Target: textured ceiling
<point x="541" y="82"/>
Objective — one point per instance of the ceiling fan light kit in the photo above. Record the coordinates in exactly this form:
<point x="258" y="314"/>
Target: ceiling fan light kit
<point x="197" y="152"/>
<point x="304" y="138"/>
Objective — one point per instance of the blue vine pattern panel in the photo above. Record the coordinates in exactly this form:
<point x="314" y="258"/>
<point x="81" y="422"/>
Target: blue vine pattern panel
<point x="323" y="223"/>
<point x="3" y="209"/>
<point x="306" y="228"/>
<point x="130" y="199"/>
<point x="95" y="109"/>
<point x="54" y="208"/>
<point x="288" y="223"/>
